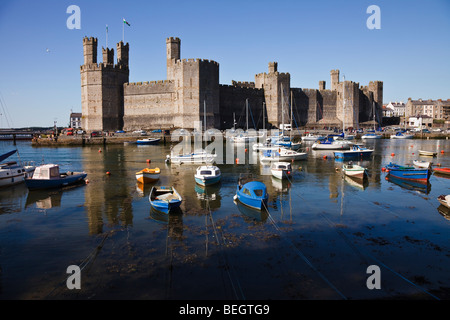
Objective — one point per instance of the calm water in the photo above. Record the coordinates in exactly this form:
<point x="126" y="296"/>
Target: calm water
<point x="319" y="236"/>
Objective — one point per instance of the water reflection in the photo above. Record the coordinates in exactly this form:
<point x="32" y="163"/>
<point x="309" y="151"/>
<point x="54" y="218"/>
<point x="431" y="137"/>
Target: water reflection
<point x="108" y="197"/>
<point x="411" y="185"/>
<point x="12" y="198"/>
<point x="361" y="184"/>
<point x="251" y="215"/>
<point x="444" y="211"/>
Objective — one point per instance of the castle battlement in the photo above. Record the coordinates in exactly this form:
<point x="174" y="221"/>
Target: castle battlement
<point x="245" y="84"/>
<point x="195" y="61"/>
<point x="283" y="74"/>
<point x="89" y="39"/>
<point x="150" y="83"/>
<point x="172" y="39"/>
<point x="103" y="66"/>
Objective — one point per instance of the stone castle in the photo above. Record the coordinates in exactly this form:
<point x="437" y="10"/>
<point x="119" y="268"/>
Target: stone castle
<point x="192" y="93"/>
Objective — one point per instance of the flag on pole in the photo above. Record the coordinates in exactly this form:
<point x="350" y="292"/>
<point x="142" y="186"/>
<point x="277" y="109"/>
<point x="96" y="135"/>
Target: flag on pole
<point x="125" y="21"/>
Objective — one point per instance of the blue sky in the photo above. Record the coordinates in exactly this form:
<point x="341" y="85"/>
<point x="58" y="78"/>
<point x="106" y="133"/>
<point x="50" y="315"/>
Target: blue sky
<point x="410" y="53"/>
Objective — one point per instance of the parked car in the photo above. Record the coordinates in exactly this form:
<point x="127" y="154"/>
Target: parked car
<point x="120" y="131"/>
<point x="157" y="131"/>
<point x="425" y="131"/>
<point x="95" y="134"/>
<point x="81" y="132"/>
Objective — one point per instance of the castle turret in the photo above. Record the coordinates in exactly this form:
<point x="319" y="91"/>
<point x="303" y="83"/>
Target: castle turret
<point x="122" y="54"/>
<point x="173" y="54"/>
<point x="334" y="79"/>
<point x="277" y="88"/>
<point x="90" y="50"/>
<point x="108" y="56"/>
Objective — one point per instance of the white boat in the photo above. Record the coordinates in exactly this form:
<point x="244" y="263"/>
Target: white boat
<point x="354" y="171"/>
<point x="48" y="176"/>
<point x="11" y="172"/>
<point x="281" y="154"/>
<point x="422" y="164"/>
<point x="371" y="136"/>
<point x="207" y="175"/>
<point x="427" y="153"/>
<point x="281" y="170"/>
<point x="332" y="144"/>
<point x="200" y="156"/>
<point x="401" y="135"/>
<point x="311" y="137"/>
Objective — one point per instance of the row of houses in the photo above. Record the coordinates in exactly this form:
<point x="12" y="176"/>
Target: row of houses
<point x="420" y="113"/>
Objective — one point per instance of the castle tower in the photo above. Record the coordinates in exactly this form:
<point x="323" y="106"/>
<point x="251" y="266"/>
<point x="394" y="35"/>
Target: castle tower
<point x="277" y="88"/>
<point x="376" y="87"/>
<point x="334" y="79"/>
<point x="173" y="54"/>
<point x="102" y="87"/>
<point x="108" y="56"/>
<point x="90" y="50"/>
<point x="122" y="54"/>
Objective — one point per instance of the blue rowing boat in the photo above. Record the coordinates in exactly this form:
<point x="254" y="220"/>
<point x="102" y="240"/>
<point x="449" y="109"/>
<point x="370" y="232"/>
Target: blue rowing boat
<point x="164" y="199"/>
<point x="253" y="194"/>
<point x="408" y="172"/>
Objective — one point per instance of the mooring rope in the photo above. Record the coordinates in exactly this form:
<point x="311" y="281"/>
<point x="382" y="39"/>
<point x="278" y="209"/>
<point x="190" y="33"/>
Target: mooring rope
<point x="301" y="255"/>
<point x="360" y="254"/>
<point x="237" y="288"/>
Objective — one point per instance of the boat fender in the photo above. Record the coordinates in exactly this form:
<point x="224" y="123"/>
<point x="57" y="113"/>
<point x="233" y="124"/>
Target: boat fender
<point x="392" y="154"/>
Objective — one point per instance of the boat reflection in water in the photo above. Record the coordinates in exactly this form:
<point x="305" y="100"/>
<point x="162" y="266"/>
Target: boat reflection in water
<point x="357" y="183"/>
<point x="251" y="215"/>
<point x="410" y="185"/>
<point x="444" y="211"/>
<point x="12" y="198"/>
<point x="210" y="194"/>
<point x="47" y="199"/>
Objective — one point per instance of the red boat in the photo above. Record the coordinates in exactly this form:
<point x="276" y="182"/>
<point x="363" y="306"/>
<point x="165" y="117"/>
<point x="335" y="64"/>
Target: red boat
<point x="445" y="171"/>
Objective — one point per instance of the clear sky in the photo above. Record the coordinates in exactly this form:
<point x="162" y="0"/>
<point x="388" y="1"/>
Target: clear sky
<point x="41" y="57"/>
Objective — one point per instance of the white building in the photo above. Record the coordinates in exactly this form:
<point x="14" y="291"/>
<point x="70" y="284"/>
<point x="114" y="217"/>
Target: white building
<point x="75" y="120"/>
<point x="396" y="109"/>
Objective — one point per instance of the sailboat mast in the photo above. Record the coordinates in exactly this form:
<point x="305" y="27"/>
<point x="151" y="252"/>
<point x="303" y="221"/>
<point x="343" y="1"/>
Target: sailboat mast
<point x="343" y="106"/>
<point x="246" y="108"/>
<point x="204" y="113"/>
<point x="282" y="111"/>
<point x="264" y="116"/>
<point x="290" y="133"/>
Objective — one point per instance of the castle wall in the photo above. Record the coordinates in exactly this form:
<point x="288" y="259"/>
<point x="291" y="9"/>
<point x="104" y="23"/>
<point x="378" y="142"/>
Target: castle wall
<point x="149" y="105"/>
<point x="233" y="101"/>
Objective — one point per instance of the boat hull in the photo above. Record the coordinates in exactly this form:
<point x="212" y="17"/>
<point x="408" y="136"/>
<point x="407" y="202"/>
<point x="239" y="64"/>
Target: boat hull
<point x="63" y="181"/>
<point x="352" y="154"/>
<point x="147" y="177"/>
<point x="148" y="141"/>
<point x="409" y="173"/>
<point x="206" y="180"/>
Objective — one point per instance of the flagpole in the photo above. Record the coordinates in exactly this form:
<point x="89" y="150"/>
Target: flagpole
<point x="106" y="36"/>
<point x="123" y="30"/>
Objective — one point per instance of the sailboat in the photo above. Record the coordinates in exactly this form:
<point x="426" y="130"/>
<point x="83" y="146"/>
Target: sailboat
<point x="11" y="172"/>
<point x="373" y="135"/>
<point x="244" y="137"/>
<point x="282" y="140"/>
